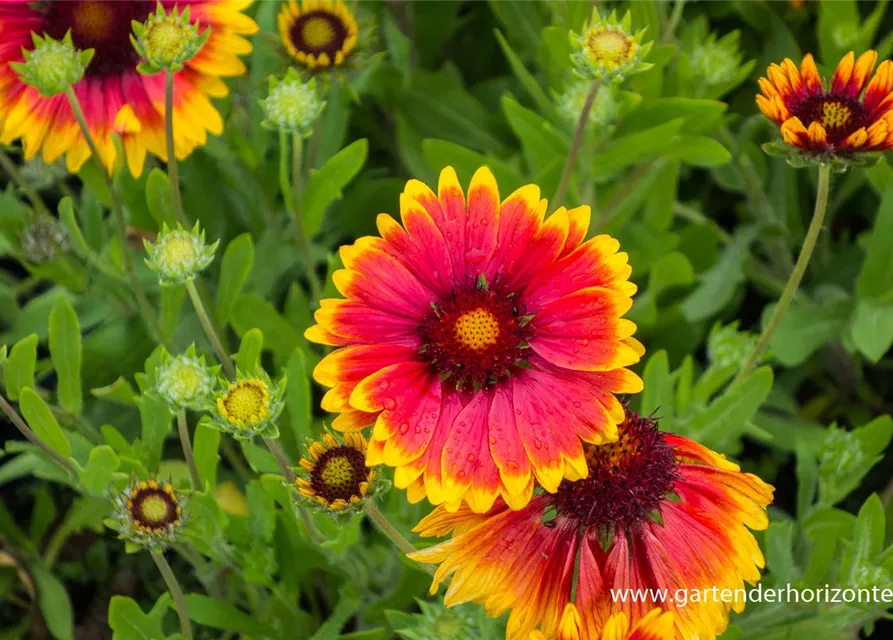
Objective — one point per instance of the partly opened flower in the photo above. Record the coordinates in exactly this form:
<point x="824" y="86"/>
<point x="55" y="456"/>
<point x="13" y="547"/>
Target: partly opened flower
<point x="249" y="406"/>
<point x="115" y="98"/>
<point x="336" y="476"/>
<point x="474" y="337"/>
<point x="850" y="116"/>
<point x="318" y="33"/>
<point x="658" y="511"/>
<point x="149" y="513"/>
<point x="656" y="625"/>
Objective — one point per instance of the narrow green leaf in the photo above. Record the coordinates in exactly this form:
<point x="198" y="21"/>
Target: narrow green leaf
<point x="218" y="614"/>
<point x="871" y="329"/>
<point x="324" y="185"/>
<point x="700" y="151"/>
<point x="97" y="475"/>
<point x="158" y="197"/>
<point x="128" y="622"/>
<point x="155" y="417"/>
<point x="876" y="276"/>
<point x="235" y="268"/>
<point x="18" y="368"/>
<point x="172" y="299"/>
<point x="68" y="219"/>
<point x="65" y="350"/>
<point x="250" y="348"/>
<point x="868" y="539"/>
<point x="250" y="311"/>
<point x="297" y="395"/>
<point x="120" y="391"/>
<point x="539" y="140"/>
<point x="206" y="442"/>
<point x="717" y="285"/>
<point x="627" y="150"/>
<point x="543" y="103"/>
<point x="804" y="328"/>
<point x="55" y="605"/>
<point x="42" y="422"/>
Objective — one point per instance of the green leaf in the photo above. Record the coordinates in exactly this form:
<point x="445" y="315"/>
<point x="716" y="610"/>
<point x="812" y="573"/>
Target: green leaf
<point x="171" y="305"/>
<point x="727" y="417"/>
<point x="96" y="477"/>
<point x="206" y="442"/>
<point x="868" y="539"/>
<point x="348" y="603"/>
<point x="18" y="368"/>
<point x="42" y="422"/>
<point x="250" y="348"/>
<point x="54" y="602"/>
<point x="539" y="140"/>
<point x="543" y="103"/>
<point x="699" y="116"/>
<point x="120" y="391"/>
<point x="235" y="268"/>
<point x="297" y="396"/>
<point x="718" y="284"/>
<point x="250" y="311"/>
<point x="129" y="622"/>
<point x="68" y="219"/>
<point x="627" y="150"/>
<point x="780" y="552"/>
<point x="155" y="417"/>
<point x="441" y="153"/>
<point x="158" y="198"/>
<point x="871" y="329"/>
<point x="324" y="185"/>
<point x="804" y="328"/>
<point x="658" y="392"/>
<point x="700" y="151"/>
<point x="218" y="614"/>
<point x="65" y="350"/>
<point x="876" y="277"/>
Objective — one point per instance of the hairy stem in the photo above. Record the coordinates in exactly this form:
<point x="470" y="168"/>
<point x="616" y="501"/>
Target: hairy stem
<point x="187" y="449"/>
<point x="27" y="188"/>
<point x="173" y="586"/>
<point x="173" y="172"/>
<point x="790" y="289"/>
<point x="279" y="454"/>
<point x="579" y="134"/>
<point x="392" y="533"/>
<point x="210" y="331"/>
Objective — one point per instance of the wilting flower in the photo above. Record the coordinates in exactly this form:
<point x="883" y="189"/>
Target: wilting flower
<point x="167" y="41"/>
<point x="43" y="240"/>
<point x="115" y="98"/>
<point x="606" y="50"/>
<point x="318" y="33"/>
<point x="823" y="125"/>
<point x="184" y="381"/>
<point x="336" y="477"/>
<point x="656" y="625"/>
<point x="292" y="105"/>
<point x="178" y="255"/>
<point x="149" y="513"/>
<point x="657" y="511"/>
<point x="249" y="406"/>
<point x="474" y="338"/>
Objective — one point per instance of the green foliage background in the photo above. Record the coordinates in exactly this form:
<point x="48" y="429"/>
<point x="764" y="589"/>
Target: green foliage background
<point x="672" y="167"/>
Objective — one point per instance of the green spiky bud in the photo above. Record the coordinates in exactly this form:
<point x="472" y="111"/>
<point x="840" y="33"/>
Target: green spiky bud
<point x="607" y="50"/>
<point x="184" y="381"/>
<point x="52" y="65"/>
<point x="167" y="41"/>
<point x="178" y="255"/>
<point x="292" y="105"/>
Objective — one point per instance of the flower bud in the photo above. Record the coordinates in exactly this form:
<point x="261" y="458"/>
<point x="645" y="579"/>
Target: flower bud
<point x="149" y="513"/>
<point x="166" y="41"/>
<point x="607" y="51"/>
<point x="178" y="255"/>
<point x="53" y="65"/>
<point x="43" y="240"/>
<point x="184" y="381"/>
<point x="292" y="105"/>
<point x="249" y="406"/>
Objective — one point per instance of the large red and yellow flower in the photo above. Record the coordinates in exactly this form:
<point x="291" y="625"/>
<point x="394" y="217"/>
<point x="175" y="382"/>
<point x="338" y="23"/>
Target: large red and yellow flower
<point x="115" y="98"/>
<point x="656" y="625"/>
<point x="474" y="338"/>
<point x="852" y="115"/>
<point x="657" y="512"/>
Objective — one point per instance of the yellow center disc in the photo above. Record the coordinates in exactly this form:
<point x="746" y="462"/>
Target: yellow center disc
<point x="477" y="329"/>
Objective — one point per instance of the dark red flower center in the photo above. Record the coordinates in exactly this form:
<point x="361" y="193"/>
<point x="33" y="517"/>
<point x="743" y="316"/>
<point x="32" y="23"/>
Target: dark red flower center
<point x="318" y="32"/>
<point x="153" y="507"/>
<point x="103" y="26"/>
<point x="476" y="338"/>
<point x="338" y="473"/>
<point x="628" y="479"/>
<point x="840" y="116"/>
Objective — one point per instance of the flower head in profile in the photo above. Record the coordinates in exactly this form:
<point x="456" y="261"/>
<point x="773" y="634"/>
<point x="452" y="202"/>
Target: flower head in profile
<point x="607" y="50"/>
<point x="116" y="99"/>
<point x="149" y="513"/>
<point x="656" y="511"/>
<point x="292" y="105"/>
<point x="167" y="41"/>
<point x="656" y="625"/>
<point x="184" y="381"/>
<point x="318" y="34"/>
<point x="334" y="476"/>
<point x="474" y="337"/>
<point x="178" y="255"/>
<point x="837" y="125"/>
<point x="249" y="406"/>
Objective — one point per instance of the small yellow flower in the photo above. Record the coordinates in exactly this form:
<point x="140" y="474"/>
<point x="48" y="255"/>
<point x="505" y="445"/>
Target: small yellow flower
<point x="249" y="406"/>
<point x="149" y="513"/>
<point x="166" y="41"/>
<point x="335" y="477"/>
<point x="607" y="50"/>
<point x="318" y="33"/>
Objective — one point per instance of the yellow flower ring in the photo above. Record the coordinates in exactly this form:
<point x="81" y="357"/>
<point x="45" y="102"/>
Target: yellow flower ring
<point x="318" y="33"/>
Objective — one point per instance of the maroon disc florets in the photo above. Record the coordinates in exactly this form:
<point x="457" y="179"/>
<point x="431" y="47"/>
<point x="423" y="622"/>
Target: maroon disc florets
<point x="627" y="480"/>
<point x="317" y="33"/>
<point x="476" y="337"/>
<point x="840" y="116"/>
<point x="338" y="473"/>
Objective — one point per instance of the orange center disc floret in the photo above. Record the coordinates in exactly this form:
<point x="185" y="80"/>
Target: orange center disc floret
<point x="627" y="479"/>
<point x="318" y="32"/>
<point x="476" y="337"/>
<point x="103" y="26"/>
<point x="839" y="116"/>
<point x="338" y="474"/>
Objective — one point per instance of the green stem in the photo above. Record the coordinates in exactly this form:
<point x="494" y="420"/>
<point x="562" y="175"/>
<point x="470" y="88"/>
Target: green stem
<point x="291" y="193"/>
<point x="187" y="449"/>
<point x="173" y="586"/>
<point x="235" y="459"/>
<point x="790" y="289"/>
<point x="120" y="225"/>
<point x="173" y="173"/>
<point x="210" y="331"/>
<point x="675" y="18"/>
<point x="30" y="192"/>
<point x="26" y="431"/>
<point x="392" y="533"/>
<point x="289" y="474"/>
<point x="576" y="143"/>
